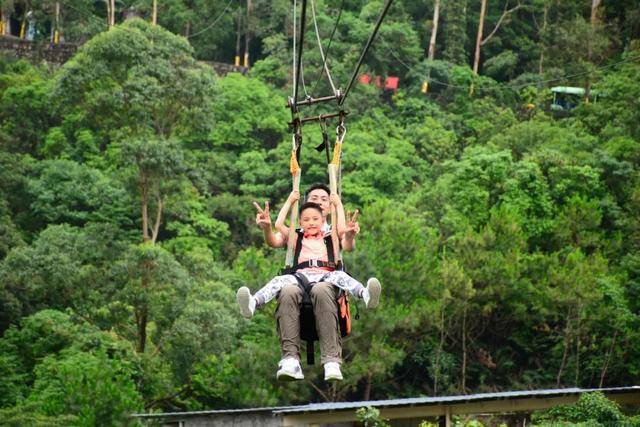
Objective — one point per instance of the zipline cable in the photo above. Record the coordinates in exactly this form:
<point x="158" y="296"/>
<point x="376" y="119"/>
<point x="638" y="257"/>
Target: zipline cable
<point x="507" y="86"/>
<point x="322" y="55"/>
<point x="213" y="23"/>
<point x="303" y="16"/>
<point x="364" y="51"/>
<point x="100" y="21"/>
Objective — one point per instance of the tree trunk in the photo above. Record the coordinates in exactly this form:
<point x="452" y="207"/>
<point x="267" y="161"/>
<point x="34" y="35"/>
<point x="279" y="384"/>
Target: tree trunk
<point x="238" y="40"/>
<point x="464" y="346"/>
<point x="55" y="31"/>
<point x="567" y="342"/>
<point x="154" y="16"/>
<point x="436" y="373"/>
<point x="594" y="12"/>
<point x="144" y="206"/>
<point x="607" y="358"/>
<point x="434" y="31"/>
<point x="247" y="37"/>
<point x="141" y="323"/>
<point x="579" y="321"/>
<point x="476" y="58"/>
<point x="367" y="388"/>
<point x="542" y="32"/>
<point x="112" y="19"/>
<point x="108" y="3"/>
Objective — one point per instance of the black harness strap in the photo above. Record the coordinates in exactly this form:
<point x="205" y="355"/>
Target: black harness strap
<point x="308" y="330"/>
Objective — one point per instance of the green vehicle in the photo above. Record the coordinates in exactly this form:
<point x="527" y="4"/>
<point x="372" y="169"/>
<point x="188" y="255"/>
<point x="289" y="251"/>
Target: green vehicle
<point x="566" y="98"/>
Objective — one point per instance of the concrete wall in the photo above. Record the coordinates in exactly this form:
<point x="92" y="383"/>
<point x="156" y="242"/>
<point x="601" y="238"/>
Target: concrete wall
<point x="235" y="420"/>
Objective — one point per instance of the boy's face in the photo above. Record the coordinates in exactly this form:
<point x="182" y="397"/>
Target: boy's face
<point x="311" y="221"/>
<point x="320" y="197"/>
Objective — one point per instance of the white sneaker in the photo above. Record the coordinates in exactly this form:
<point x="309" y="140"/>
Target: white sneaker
<point x="246" y="302"/>
<point x="332" y="371"/>
<point x="371" y="294"/>
<point x="289" y="370"/>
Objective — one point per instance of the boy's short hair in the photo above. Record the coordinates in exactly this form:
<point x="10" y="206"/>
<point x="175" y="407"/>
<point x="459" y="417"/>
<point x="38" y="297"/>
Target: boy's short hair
<point x="311" y="205"/>
<point x="318" y="186"/>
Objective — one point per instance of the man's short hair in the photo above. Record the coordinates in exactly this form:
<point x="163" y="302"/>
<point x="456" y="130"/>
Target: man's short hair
<point x="311" y="205"/>
<point x="318" y="186"/>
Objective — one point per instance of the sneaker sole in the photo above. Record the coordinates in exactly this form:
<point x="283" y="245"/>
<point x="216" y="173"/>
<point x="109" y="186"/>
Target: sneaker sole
<point x="243" y="296"/>
<point x="288" y="377"/>
<point x="333" y="378"/>
<point x="374" y="291"/>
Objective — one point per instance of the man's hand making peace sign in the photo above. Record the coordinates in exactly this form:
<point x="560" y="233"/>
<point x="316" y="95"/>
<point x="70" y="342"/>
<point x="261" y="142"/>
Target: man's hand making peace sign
<point x="263" y="217"/>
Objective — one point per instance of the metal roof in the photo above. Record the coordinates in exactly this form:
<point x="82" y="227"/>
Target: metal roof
<point x="569" y="89"/>
<point x="335" y="406"/>
<point x="269" y="409"/>
<point x="387" y="403"/>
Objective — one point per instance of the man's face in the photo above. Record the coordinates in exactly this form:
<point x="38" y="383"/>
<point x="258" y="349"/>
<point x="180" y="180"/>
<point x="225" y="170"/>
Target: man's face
<point x="320" y="197"/>
<point x="311" y="221"/>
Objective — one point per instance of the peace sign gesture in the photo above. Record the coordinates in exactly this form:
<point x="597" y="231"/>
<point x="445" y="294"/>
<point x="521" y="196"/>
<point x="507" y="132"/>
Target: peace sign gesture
<point x="353" y="227"/>
<point x="263" y="218"/>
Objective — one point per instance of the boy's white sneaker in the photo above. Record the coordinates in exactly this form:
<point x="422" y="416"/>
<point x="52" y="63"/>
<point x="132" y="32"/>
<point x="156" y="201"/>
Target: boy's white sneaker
<point x="246" y="302"/>
<point x="371" y="294"/>
<point x="332" y="371"/>
<point x="289" y="370"/>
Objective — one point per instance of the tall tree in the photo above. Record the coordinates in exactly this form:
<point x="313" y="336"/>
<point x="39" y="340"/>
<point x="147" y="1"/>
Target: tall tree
<point x="480" y="41"/>
<point x="434" y="31"/>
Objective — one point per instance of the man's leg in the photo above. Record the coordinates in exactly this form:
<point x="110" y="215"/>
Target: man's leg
<point x="288" y="321"/>
<point x="325" y="308"/>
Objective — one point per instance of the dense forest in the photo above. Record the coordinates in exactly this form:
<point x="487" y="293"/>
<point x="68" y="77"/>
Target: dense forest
<point x="505" y="232"/>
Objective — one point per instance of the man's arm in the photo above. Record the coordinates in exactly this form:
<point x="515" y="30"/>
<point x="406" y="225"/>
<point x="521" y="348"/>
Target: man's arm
<point x="263" y="219"/>
<point x="351" y="230"/>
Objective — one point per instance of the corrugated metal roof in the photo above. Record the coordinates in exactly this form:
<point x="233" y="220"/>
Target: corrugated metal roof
<point x="336" y="406"/>
<point x="414" y="401"/>
<point x="269" y="409"/>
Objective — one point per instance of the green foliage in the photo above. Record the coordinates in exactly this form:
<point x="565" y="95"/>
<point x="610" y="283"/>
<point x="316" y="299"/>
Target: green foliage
<point x="505" y="237"/>
<point x="592" y="409"/>
<point x="95" y="388"/>
<point x="370" y="417"/>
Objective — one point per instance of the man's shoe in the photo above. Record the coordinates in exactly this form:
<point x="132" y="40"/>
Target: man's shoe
<point x="289" y="370"/>
<point x="246" y="302"/>
<point x="332" y="371"/>
<point x="371" y="294"/>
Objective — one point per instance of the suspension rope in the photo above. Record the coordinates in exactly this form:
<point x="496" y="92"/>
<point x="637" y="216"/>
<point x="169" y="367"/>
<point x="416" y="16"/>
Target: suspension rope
<point x="365" y="50"/>
<point x="322" y="55"/>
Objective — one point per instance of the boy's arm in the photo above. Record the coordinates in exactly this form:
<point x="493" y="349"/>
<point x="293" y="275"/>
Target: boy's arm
<point x="263" y="219"/>
<point x="284" y="211"/>
<point x="352" y="229"/>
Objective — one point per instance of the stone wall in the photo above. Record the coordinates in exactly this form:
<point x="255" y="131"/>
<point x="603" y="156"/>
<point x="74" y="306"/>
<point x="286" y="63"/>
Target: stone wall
<point x="36" y="51"/>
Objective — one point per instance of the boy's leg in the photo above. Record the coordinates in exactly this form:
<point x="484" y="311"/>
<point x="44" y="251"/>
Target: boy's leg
<point x="370" y="294"/>
<point x="273" y="287"/>
<point x="344" y="282"/>
<point x="248" y="303"/>
<point x="325" y="309"/>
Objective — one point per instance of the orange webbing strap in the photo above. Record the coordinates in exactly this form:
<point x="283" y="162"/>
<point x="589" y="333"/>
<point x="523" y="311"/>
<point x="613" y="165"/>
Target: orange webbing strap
<point x="333" y="169"/>
<point x="296" y="171"/>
